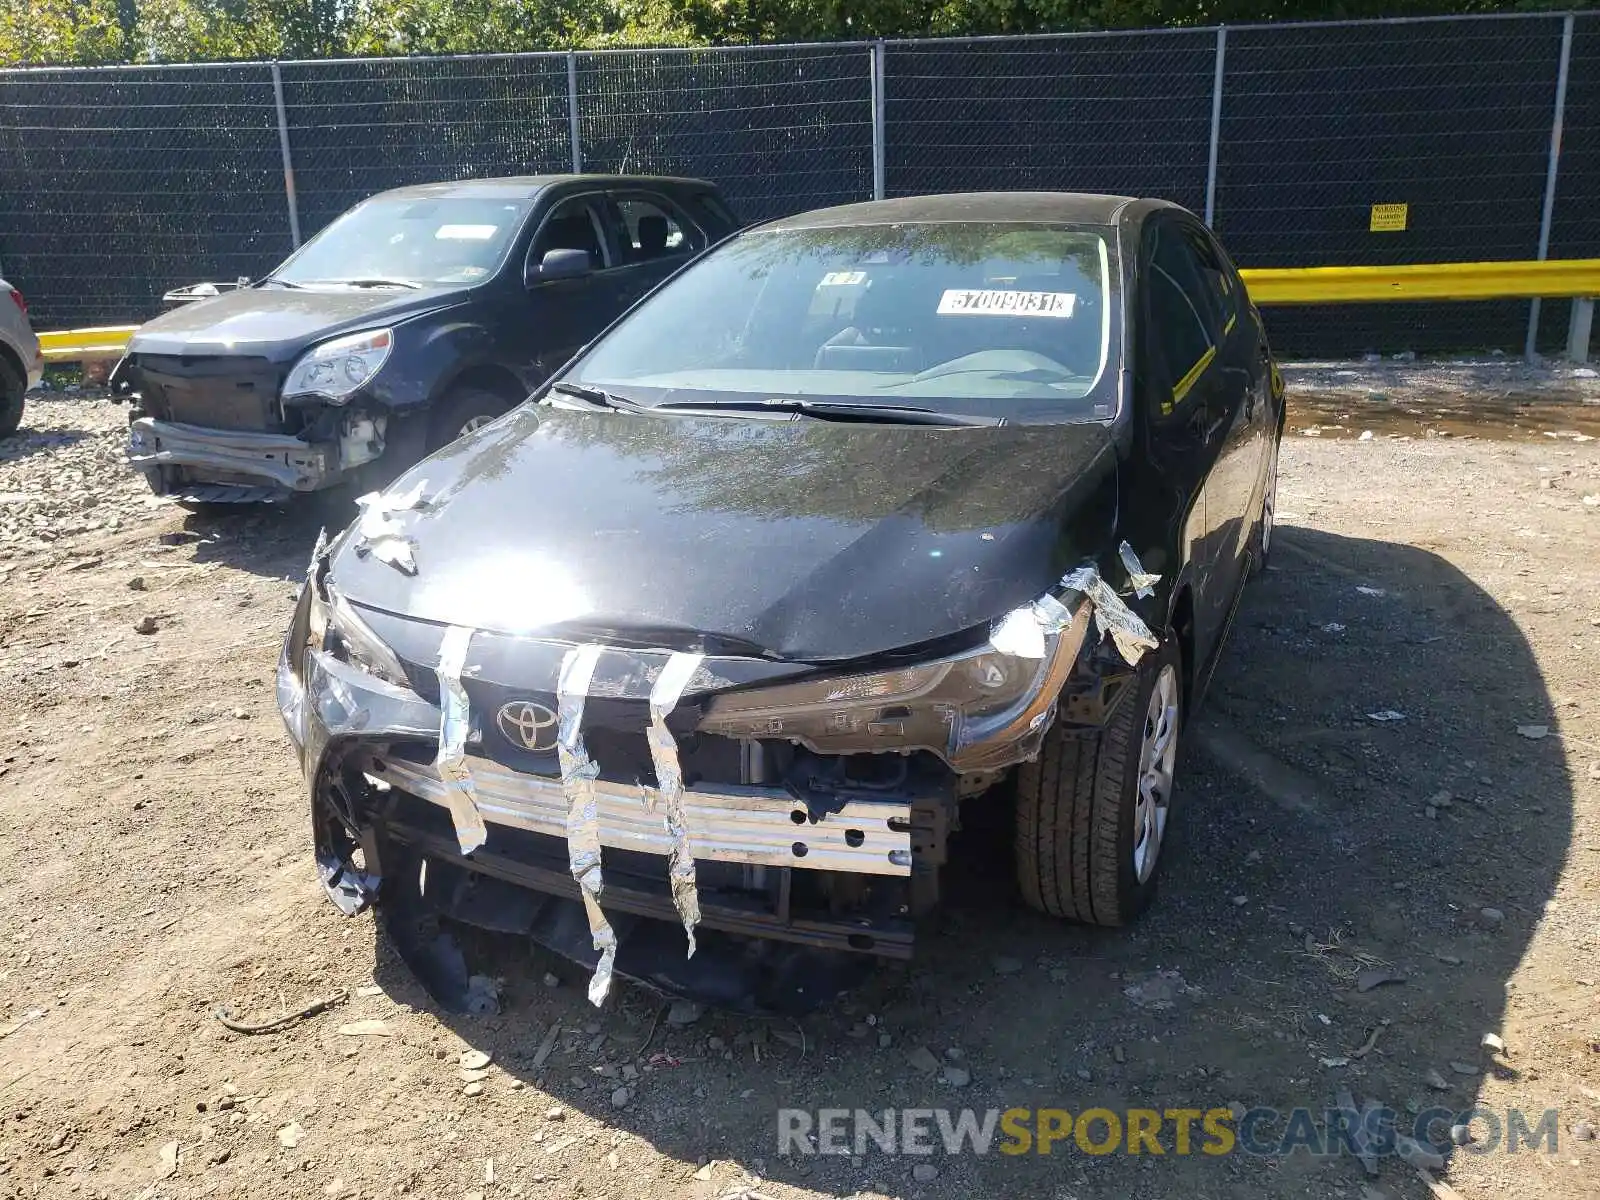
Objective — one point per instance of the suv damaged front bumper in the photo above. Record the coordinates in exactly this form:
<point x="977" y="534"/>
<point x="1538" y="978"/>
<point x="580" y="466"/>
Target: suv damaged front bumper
<point x="163" y="450"/>
<point x="735" y="820"/>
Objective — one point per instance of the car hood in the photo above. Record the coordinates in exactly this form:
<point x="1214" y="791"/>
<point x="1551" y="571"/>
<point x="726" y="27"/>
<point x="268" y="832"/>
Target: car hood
<point x="278" y="323"/>
<point x="805" y="540"/>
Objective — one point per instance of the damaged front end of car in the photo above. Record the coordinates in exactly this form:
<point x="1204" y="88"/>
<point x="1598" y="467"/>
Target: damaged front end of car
<point x="748" y="830"/>
<point x="237" y="428"/>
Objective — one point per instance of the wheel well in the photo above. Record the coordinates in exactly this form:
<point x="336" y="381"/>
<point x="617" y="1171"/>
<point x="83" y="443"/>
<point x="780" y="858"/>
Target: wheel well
<point x="1183" y="629"/>
<point x="492" y="379"/>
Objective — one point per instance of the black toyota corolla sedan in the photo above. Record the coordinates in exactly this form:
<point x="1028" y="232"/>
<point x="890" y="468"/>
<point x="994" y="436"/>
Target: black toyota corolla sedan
<point x="867" y="515"/>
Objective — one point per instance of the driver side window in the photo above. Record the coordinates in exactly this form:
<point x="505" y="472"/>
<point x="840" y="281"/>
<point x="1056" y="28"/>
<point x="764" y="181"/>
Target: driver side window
<point x="573" y="224"/>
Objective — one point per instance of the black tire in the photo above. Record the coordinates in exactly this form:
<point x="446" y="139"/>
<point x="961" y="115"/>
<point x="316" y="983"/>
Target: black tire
<point x="1076" y="807"/>
<point x="459" y="408"/>
<point x="13" y="388"/>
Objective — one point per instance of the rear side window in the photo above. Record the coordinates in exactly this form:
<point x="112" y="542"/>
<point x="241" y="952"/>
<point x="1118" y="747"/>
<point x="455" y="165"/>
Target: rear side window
<point x="652" y="228"/>
<point x="1184" y="317"/>
<point x="1216" y="278"/>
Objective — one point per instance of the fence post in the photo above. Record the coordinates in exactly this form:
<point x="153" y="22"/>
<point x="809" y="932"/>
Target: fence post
<point x="572" y="112"/>
<point x="876" y="77"/>
<point x="1531" y="346"/>
<point x="288" y="163"/>
<point x="1216" y="125"/>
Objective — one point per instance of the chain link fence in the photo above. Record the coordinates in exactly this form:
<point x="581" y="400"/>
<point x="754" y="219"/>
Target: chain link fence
<point x="119" y="183"/>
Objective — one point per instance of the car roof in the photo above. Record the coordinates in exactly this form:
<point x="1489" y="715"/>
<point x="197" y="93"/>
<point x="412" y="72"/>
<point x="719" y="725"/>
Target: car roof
<point x="525" y="187"/>
<point x="1082" y="208"/>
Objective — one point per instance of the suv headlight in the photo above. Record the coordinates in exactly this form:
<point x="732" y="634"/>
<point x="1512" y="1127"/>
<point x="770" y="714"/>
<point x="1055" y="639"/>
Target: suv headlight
<point x="974" y="710"/>
<point x="335" y="369"/>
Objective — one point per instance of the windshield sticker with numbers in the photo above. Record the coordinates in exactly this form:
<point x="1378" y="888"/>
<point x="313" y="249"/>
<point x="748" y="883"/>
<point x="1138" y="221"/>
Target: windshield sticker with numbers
<point x="986" y="302"/>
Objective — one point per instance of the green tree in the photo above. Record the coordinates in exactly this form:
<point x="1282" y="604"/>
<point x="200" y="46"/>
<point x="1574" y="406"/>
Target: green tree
<point x="61" y="31"/>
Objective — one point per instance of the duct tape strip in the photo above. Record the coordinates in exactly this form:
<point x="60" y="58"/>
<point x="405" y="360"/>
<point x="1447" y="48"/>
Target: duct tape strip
<point x="1131" y="635"/>
<point x="455" y="720"/>
<point x="664" y="697"/>
<point x="578" y="773"/>
<point x="383" y="537"/>
<point x="1143" y="581"/>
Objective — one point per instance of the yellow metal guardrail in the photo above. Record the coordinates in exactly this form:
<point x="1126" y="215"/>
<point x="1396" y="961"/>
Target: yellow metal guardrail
<point x="1425" y="281"/>
<point x="85" y="345"/>
<point x="1578" y="278"/>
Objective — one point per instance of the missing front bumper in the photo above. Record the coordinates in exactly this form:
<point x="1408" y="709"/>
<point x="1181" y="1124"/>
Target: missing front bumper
<point x="169" y="452"/>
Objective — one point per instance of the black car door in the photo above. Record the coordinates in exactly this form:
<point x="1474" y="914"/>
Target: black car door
<point x="1245" y="390"/>
<point x="560" y="315"/>
<point x="1188" y="410"/>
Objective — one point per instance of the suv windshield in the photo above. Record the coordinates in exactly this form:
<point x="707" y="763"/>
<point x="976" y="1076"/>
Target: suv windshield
<point x="450" y="239"/>
<point x="974" y="318"/>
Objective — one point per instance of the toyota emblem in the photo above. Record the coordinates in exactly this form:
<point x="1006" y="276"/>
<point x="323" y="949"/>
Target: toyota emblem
<point x="528" y="725"/>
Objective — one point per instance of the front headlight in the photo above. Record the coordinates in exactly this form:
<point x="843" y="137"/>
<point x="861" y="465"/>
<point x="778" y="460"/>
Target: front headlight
<point x="973" y="710"/>
<point x="335" y="369"/>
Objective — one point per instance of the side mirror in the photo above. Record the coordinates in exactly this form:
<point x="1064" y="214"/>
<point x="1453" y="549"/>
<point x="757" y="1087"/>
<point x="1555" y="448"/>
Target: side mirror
<point x="559" y="264"/>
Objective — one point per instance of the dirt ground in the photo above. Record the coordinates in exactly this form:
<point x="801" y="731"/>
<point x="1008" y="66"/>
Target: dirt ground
<point x="154" y="865"/>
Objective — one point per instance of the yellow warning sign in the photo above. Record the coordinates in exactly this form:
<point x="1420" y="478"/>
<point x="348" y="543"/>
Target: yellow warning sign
<point x="1389" y="218"/>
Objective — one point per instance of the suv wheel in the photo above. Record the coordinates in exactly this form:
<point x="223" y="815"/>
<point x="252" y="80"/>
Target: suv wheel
<point x="1093" y="808"/>
<point x="462" y="411"/>
<point x="12" y="389"/>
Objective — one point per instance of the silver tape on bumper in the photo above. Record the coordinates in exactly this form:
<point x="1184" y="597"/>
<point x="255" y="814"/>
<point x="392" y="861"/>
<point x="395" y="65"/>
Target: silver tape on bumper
<point x="455" y="719"/>
<point x="578" y="775"/>
<point x="733" y="823"/>
<point x="664" y="697"/>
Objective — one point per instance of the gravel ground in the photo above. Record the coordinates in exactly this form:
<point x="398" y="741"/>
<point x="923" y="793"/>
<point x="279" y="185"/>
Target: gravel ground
<point x="155" y="866"/>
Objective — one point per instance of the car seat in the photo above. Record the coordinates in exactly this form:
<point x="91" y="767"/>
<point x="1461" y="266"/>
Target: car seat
<point x="652" y="233"/>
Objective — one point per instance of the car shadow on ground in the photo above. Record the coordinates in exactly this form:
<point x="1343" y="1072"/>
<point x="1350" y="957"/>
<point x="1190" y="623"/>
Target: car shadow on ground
<point x="271" y="540"/>
<point x="1315" y="843"/>
<point x="27" y="441"/>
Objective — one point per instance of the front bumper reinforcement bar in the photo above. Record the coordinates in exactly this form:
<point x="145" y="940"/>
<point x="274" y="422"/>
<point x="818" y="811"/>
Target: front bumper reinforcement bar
<point x="727" y="823"/>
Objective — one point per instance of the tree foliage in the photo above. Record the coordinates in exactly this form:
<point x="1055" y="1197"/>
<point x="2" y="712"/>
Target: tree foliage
<point x="102" y="31"/>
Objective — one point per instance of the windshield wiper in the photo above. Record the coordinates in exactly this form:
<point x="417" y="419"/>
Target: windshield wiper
<point x="280" y="282"/>
<point x="600" y="398"/>
<point x="823" y="410"/>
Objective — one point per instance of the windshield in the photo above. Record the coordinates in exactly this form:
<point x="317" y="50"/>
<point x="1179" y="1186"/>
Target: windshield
<point x="974" y="318"/>
<point x="444" y="240"/>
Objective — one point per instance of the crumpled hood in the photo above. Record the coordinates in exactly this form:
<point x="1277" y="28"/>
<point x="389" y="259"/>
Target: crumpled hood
<point x="804" y="539"/>
<point x="278" y="323"/>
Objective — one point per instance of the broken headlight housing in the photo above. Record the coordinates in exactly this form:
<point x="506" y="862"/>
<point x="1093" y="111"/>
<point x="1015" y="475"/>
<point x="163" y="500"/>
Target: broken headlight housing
<point x="979" y="710"/>
<point x="325" y="620"/>
<point x="335" y="369"/>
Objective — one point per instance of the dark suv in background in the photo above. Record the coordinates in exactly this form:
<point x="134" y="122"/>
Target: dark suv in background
<point x="417" y="316"/>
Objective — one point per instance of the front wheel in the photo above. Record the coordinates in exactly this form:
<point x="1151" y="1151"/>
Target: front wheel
<point x="1093" y="809"/>
<point x="461" y="412"/>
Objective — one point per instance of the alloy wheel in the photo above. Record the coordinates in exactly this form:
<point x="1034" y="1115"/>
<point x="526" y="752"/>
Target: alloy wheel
<point x="1158" y="756"/>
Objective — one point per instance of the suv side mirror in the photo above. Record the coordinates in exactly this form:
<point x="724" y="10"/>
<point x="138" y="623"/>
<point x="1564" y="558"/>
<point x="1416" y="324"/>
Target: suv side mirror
<point x="559" y="264"/>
